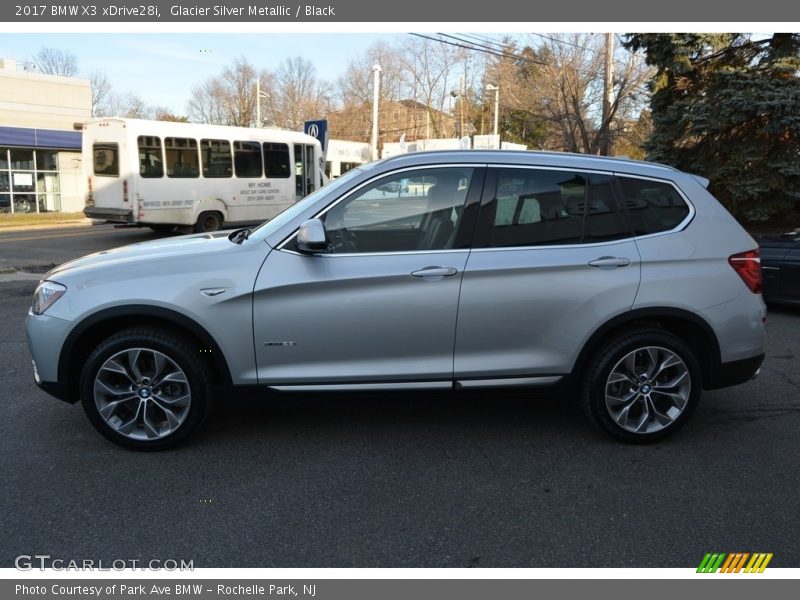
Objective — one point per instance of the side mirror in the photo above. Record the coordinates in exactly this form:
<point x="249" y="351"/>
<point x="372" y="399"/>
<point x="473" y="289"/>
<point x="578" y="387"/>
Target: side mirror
<point x="311" y="236"/>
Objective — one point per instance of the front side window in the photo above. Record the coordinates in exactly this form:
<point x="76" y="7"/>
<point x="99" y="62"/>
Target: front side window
<point x="653" y="205"/>
<point x="151" y="161"/>
<point x="408" y="211"/>
<point x="182" y="159"/>
<point x="541" y="207"/>
<point x="217" y="160"/>
<point x="247" y="159"/>
<point x="106" y="160"/>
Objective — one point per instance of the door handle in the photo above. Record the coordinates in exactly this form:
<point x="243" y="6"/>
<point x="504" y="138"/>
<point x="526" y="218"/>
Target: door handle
<point x="610" y="262"/>
<point x="432" y="272"/>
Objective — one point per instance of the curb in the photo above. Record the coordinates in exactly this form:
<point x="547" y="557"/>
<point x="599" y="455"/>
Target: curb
<point x="64" y="224"/>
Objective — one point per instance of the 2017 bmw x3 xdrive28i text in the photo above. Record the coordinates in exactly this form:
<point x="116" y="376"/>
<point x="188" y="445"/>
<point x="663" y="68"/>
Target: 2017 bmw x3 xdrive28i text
<point x="622" y="281"/>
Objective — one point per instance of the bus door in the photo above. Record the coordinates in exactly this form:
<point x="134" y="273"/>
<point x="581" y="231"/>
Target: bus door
<point x="304" y="170"/>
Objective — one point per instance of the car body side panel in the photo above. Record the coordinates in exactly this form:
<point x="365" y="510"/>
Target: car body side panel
<point x="523" y="310"/>
<point x="359" y="317"/>
<point x="120" y="278"/>
<point x="689" y="270"/>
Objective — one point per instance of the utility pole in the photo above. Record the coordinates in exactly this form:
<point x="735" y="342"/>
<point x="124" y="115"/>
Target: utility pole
<point x="608" y="95"/>
<point x="376" y="93"/>
<point x="258" y="102"/>
<point x="496" y="89"/>
<point x="463" y="97"/>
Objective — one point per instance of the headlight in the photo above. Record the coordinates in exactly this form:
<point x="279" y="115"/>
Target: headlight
<point x="45" y="295"/>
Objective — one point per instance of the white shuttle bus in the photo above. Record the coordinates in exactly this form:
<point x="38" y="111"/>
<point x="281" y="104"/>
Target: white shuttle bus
<point x="162" y="174"/>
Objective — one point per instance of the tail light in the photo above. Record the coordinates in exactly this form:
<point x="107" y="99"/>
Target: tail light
<point x="748" y="266"/>
<point x="124" y="191"/>
<point x="90" y="195"/>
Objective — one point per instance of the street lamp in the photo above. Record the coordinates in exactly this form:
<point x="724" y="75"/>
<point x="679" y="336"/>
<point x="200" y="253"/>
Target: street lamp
<point x="259" y="96"/>
<point x="496" y="89"/>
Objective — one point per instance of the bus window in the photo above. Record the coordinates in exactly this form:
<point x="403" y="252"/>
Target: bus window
<point x="216" y="158"/>
<point x="276" y="160"/>
<point x="151" y="163"/>
<point x="247" y="159"/>
<point x="182" y="159"/>
<point x="106" y="160"/>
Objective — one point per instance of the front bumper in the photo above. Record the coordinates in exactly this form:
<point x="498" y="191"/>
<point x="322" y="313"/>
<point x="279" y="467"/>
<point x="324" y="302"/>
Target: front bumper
<point x="46" y="336"/>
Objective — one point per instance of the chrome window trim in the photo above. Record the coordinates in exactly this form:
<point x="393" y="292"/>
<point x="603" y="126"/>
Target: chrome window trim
<point x="553" y="246"/>
<point x="322" y="212"/>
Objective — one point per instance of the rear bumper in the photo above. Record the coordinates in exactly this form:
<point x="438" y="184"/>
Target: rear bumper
<point x="734" y="373"/>
<point x="117" y="215"/>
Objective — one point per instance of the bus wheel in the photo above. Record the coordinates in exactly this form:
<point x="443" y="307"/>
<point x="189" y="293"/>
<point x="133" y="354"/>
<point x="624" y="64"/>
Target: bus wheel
<point x="208" y="221"/>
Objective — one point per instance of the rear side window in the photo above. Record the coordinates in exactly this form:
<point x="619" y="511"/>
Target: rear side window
<point x="653" y="205"/>
<point x="216" y="158"/>
<point x="538" y="207"/>
<point x="276" y="160"/>
<point x="182" y="158"/>
<point x="106" y="160"/>
<point x="151" y="162"/>
<point x="247" y="159"/>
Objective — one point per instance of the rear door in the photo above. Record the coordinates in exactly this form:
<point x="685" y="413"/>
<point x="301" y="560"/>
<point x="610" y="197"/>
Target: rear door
<point x="108" y="177"/>
<point x="552" y="260"/>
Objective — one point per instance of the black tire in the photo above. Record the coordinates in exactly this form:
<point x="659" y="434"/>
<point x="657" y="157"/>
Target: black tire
<point x="596" y="380"/>
<point x="183" y="354"/>
<point x="162" y="228"/>
<point x="208" y="222"/>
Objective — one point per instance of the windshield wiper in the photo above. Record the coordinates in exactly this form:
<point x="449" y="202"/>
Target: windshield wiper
<point x="240" y="235"/>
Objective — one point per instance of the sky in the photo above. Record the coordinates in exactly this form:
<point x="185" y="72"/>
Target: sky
<point x="163" y="68"/>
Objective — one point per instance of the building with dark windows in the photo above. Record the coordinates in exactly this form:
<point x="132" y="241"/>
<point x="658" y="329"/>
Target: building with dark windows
<point x="40" y="144"/>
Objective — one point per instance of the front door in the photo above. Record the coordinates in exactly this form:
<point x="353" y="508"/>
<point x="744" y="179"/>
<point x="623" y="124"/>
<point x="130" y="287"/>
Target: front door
<point x="379" y="307"/>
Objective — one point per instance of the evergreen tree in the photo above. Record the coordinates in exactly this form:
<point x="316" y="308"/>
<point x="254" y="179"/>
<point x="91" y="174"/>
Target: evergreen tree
<point x="727" y="106"/>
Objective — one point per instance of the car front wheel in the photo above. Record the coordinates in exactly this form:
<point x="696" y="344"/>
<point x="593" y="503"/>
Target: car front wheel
<point x="642" y="387"/>
<point x="145" y="388"/>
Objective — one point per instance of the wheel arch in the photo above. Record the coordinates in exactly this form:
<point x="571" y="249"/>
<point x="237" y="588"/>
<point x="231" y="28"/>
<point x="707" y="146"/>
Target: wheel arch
<point x="92" y="330"/>
<point x="211" y="205"/>
<point x="689" y="326"/>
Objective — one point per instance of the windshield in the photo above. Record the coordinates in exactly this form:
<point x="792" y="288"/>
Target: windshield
<point x="271" y="226"/>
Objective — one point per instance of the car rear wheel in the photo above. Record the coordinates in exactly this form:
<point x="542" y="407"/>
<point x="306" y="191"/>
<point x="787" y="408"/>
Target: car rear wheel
<point x="642" y="387"/>
<point x="145" y="388"/>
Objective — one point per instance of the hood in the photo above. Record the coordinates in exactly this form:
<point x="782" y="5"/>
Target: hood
<point x="156" y="250"/>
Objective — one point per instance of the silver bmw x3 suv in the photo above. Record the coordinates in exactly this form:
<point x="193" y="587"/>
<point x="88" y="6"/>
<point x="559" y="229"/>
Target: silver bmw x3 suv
<point x="622" y="283"/>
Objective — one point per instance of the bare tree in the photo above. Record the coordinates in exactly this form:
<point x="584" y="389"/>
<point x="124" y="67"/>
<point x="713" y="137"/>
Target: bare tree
<point x="431" y="67"/>
<point x="53" y="61"/>
<point x="101" y="93"/>
<point x="354" y="87"/>
<point x="297" y="94"/>
<point x="135" y="107"/>
<point x="229" y="98"/>
<point x="571" y="80"/>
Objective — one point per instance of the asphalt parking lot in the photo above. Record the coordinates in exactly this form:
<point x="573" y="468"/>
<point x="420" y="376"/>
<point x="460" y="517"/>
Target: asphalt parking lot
<point x="413" y="480"/>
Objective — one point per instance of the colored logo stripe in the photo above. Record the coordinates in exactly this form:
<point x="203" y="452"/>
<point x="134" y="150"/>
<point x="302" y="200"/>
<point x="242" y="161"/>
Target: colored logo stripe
<point x="734" y="562"/>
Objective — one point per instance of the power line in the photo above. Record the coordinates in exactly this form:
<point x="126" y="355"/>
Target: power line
<point x="469" y="46"/>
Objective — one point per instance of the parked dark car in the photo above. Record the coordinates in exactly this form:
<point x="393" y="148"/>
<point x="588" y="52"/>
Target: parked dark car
<point x="780" y="266"/>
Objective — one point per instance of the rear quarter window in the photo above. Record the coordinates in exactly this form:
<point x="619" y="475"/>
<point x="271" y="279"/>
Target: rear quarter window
<point x="653" y="206"/>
